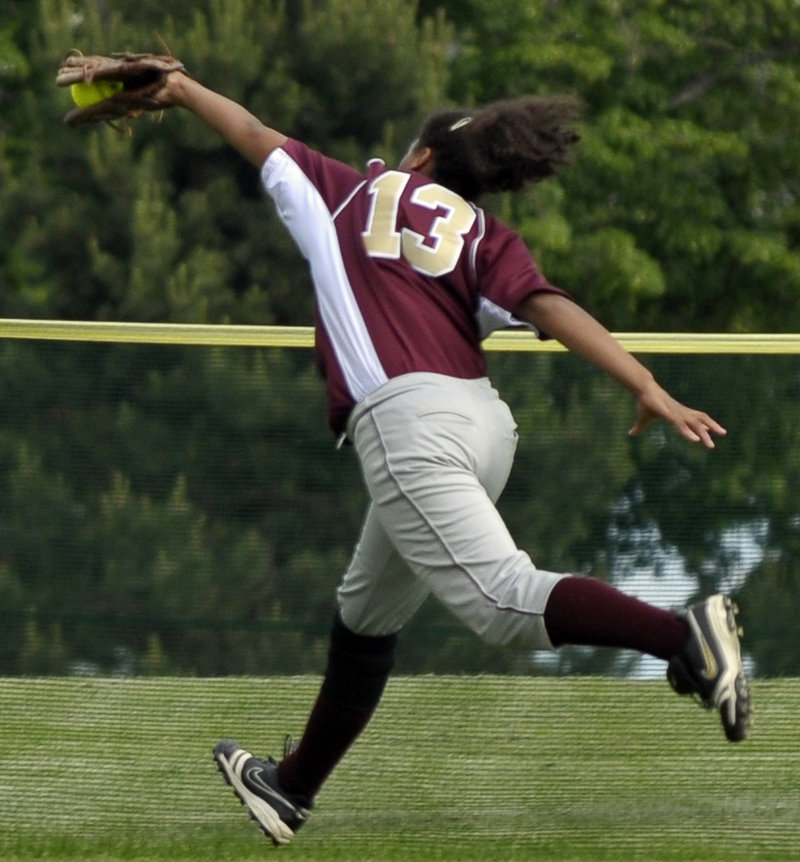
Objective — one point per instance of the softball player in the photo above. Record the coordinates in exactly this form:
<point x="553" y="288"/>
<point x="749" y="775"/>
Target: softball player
<point x="405" y="265"/>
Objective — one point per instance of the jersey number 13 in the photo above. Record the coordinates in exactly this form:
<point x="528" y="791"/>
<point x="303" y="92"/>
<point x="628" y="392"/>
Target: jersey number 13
<point x="435" y="253"/>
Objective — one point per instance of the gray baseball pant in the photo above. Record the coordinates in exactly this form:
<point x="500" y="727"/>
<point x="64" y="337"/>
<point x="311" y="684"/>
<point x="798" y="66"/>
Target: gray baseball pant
<point x="436" y="452"/>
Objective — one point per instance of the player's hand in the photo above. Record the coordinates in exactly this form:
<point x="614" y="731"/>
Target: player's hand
<point x="696" y="426"/>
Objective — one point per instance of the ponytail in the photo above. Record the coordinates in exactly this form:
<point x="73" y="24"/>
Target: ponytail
<point x="502" y="146"/>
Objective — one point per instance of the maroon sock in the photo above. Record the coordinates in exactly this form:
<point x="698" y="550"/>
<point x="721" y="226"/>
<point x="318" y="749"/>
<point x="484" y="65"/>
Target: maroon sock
<point x="590" y="612"/>
<point x="330" y="731"/>
<point x="357" y="671"/>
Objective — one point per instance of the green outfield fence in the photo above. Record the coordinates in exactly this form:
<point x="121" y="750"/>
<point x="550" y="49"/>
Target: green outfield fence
<point x="172" y="501"/>
<point x="302" y="336"/>
<point x="174" y="517"/>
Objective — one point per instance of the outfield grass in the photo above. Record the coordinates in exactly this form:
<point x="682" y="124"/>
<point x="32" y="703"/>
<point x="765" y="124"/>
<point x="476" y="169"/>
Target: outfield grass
<point x="452" y="768"/>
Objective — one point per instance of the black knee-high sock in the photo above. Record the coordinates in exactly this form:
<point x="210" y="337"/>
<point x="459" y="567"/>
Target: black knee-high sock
<point x="355" y="677"/>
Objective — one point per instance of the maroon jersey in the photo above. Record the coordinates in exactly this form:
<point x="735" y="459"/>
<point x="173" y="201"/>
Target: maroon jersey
<point x="402" y="270"/>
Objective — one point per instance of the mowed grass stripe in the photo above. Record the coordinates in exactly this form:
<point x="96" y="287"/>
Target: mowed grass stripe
<point x="452" y="768"/>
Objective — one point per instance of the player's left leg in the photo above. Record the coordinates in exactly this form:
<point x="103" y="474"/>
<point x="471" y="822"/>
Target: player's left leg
<point x="278" y="813"/>
<point x="377" y="596"/>
<point x="355" y="676"/>
<point x="378" y="593"/>
<point x="280" y="795"/>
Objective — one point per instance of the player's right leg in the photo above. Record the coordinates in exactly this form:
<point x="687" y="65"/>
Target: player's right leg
<point x="710" y="667"/>
<point x="700" y="643"/>
<point x="433" y="465"/>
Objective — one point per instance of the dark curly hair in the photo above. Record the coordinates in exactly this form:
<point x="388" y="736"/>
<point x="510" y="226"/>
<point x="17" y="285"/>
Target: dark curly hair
<point x="501" y="146"/>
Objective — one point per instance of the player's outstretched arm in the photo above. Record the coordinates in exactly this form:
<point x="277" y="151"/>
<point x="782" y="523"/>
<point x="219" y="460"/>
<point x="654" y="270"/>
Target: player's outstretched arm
<point x="579" y="332"/>
<point x="241" y="129"/>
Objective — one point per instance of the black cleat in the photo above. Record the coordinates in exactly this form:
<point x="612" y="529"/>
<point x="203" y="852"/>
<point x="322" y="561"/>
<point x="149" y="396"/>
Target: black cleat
<point x="279" y="814"/>
<point x="710" y="665"/>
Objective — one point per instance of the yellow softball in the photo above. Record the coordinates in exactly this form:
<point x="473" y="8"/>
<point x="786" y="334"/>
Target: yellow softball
<point x="88" y="94"/>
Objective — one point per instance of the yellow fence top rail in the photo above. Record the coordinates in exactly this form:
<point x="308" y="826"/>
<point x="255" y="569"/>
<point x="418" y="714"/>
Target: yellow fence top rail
<point x="303" y="336"/>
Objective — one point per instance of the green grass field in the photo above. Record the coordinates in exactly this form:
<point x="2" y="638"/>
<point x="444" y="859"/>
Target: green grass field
<point x="452" y="768"/>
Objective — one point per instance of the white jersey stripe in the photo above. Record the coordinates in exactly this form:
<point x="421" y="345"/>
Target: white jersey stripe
<point x="491" y="317"/>
<point x="302" y="210"/>
<point x="473" y="252"/>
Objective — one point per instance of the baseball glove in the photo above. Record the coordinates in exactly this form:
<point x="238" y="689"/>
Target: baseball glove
<point x="142" y="78"/>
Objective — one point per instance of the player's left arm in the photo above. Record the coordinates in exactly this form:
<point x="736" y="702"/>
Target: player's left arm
<point x="581" y="333"/>
<point x="241" y="129"/>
